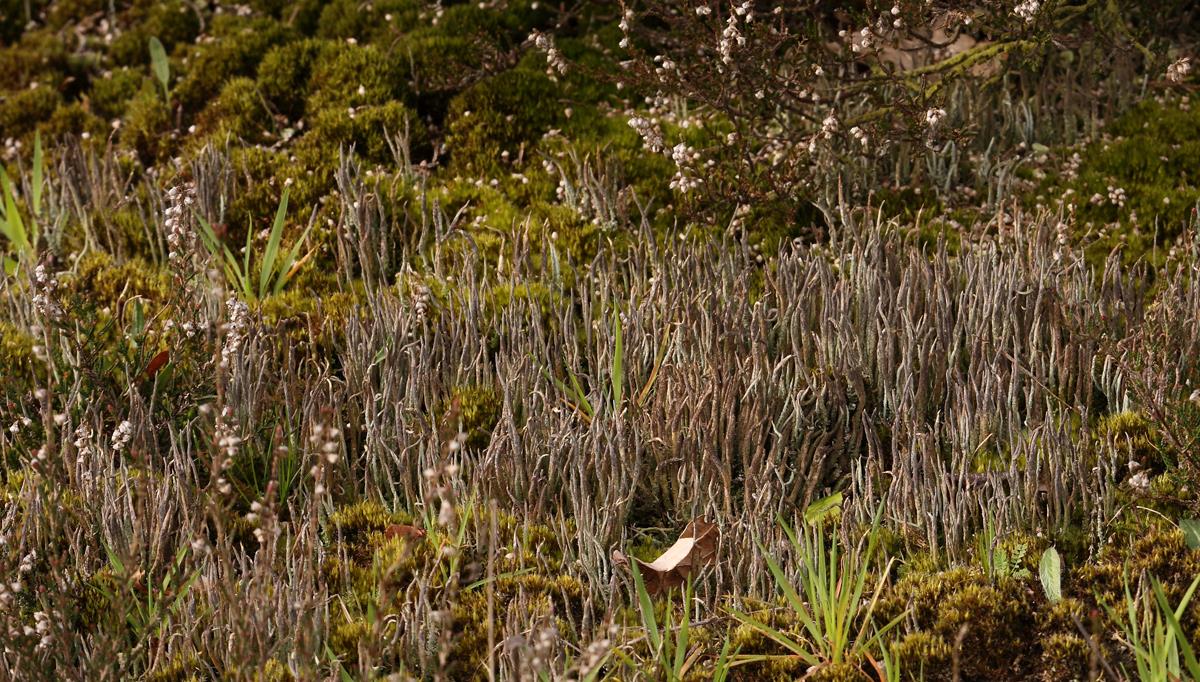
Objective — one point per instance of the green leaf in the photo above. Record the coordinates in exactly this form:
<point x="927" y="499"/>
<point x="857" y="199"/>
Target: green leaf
<point x="1050" y="573"/>
<point x="38" y="161"/>
<point x="646" y="607"/>
<point x="1172" y="618"/>
<point x="1191" y="532"/>
<point x="819" y="510"/>
<point x="160" y="65"/>
<point x="12" y="226"/>
<point x="268" y="262"/>
<point x="139" y="318"/>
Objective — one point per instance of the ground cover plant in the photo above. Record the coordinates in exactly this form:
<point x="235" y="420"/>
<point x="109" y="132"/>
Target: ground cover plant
<point x="663" y="340"/>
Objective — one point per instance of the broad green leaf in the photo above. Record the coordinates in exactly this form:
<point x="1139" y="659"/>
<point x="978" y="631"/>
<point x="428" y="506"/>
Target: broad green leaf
<point x="1050" y="573"/>
<point x="822" y="508"/>
<point x="160" y="65"/>
<point x="1191" y="532"/>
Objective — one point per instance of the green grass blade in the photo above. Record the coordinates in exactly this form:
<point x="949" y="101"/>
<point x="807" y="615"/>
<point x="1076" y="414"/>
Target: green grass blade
<point x="793" y="599"/>
<point x="1172" y="617"/>
<point x="38" y="161"/>
<point x="267" y="267"/>
<point x="285" y="268"/>
<point x="580" y="396"/>
<point x="13" y="226"/>
<point x="646" y="606"/>
<point x="683" y="636"/>
<point x="776" y="636"/>
<point x="246" y="260"/>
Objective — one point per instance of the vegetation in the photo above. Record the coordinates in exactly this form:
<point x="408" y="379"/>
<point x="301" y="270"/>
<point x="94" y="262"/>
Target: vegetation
<point x="672" y="339"/>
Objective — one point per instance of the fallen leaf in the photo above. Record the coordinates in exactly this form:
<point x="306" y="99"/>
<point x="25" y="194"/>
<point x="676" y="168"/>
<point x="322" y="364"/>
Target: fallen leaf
<point x="400" y="530"/>
<point x="695" y="548"/>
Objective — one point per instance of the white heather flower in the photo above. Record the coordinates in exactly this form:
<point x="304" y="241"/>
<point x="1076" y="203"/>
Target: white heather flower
<point x="177" y="221"/>
<point x="45" y="284"/>
<point x="703" y="11"/>
<point x="555" y="63"/>
<point x="1179" y="69"/>
<point x="235" y="330"/>
<point x="684" y="158"/>
<point x="1027" y="9"/>
<point x="651" y="134"/>
<point x="934" y="117"/>
<point x="829" y="126"/>
<point x="1140" y="482"/>
<point x="731" y="37"/>
<point x="122" y="435"/>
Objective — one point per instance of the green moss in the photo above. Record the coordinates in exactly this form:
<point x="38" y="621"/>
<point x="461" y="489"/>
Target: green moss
<point x="38" y="57"/>
<point x="356" y="76"/>
<point x="239" y="111"/>
<point x="365" y="131"/>
<point x="343" y="19"/>
<point x="283" y="75"/>
<point x="345" y="637"/>
<point x="838" y="672"/>
<point x="106" y="284"/>
<point x="238" y="47"/>
<point x="1132" y="434"/>
<point x="999" y="616"/>
<point x="533" y="296"/>
<point x="110" y="94"/>
<point x="1152" y="153"/>
<point x="178" y="668"/>
<point x="311" y="310"/>
<point x="508" y="112"/>
<point x="22" y="111"/>
<point x="1155" y="550"/>
<point x="173" y="22"/>
<point x="440" y="66"/>
<point x="18" y="364"/>
<point x="480" y="408"/>
<point x="72" y="120"/>
<point x="922" y="650"/>
<point x="148" y="126"/>
<point x="1064" y="656"/>
<point x="355" y="523"/>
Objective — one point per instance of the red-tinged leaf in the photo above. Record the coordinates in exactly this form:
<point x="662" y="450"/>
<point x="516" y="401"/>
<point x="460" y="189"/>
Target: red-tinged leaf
<point x="399" y="530"/>
<point x="157" y="364"/>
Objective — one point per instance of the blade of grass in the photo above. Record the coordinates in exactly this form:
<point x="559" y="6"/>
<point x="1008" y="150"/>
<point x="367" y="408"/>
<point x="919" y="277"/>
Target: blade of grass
<point x="646" y="607"/>
<point x="38" y="160"/>
<point x="1185" y="647"/>
<point x="267" y="267"/>
<point x="14" y="227"/>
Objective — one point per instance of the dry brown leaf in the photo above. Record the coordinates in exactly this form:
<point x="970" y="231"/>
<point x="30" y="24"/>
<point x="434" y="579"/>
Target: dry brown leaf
<point x="695" y="548"/>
